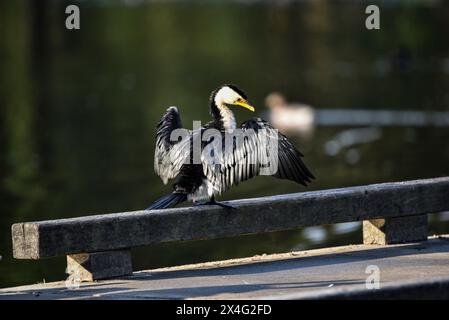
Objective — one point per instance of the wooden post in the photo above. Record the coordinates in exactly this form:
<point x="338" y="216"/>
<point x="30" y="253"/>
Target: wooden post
<point x="395" y="230"/>
<point x="99" y="265"/>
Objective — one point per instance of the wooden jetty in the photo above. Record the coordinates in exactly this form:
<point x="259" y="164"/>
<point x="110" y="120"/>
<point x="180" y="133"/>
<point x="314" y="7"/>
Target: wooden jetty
<point x="98" y="247"/>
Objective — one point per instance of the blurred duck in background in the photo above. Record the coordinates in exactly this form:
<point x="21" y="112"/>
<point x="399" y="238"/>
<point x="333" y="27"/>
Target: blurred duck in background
<point x="294" y="118"/>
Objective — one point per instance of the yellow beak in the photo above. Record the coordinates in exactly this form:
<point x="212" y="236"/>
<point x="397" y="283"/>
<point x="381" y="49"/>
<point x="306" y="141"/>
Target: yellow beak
<point x="244" y="104"/>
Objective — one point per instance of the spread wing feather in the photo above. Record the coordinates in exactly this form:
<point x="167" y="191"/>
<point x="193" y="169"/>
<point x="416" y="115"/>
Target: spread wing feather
<point x="169" y="156"/>
<point x="261" y="150"/>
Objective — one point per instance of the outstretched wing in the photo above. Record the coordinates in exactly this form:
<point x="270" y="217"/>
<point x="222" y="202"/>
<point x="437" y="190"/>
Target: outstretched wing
<point x="261" y="150"/>
<point x="168" y="155"/>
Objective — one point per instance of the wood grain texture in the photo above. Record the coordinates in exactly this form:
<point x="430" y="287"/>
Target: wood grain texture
<point x="99" y="265"/>
<point x="33" y="240"/>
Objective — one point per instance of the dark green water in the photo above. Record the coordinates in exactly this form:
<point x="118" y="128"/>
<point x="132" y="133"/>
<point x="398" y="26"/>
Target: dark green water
<point x="78" y="108"/>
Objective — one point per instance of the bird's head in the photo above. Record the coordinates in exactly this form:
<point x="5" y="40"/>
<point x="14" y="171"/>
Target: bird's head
<point x="229" y="96"/>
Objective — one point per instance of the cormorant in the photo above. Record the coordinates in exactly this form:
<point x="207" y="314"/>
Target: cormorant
<point x="203" y="179"/>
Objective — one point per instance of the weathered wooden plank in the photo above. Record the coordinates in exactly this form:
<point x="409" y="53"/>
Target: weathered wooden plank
<point x="25" y="239"/>
<point x="35" y="240"/>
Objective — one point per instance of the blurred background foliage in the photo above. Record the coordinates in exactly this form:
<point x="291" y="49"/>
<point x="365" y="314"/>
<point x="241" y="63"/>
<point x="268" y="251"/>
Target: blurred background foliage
<point x="78" y="108"/>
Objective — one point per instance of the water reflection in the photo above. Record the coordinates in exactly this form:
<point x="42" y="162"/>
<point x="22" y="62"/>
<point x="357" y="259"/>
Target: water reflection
<point x="351" y="137"/>
<point x="78" y="109"/>
<point x="405" y="118"/>
<point x="314" y="234"/>
<point x="348" y="227"/>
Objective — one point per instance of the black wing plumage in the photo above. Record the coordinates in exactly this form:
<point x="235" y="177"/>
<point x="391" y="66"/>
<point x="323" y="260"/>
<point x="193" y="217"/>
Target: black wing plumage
<point x="168" y="155"/>
<point x="256" y="156"/>
<point x="253" y="156"/>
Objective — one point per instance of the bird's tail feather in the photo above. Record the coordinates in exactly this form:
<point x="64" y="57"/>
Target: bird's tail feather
<point x="168" y="201"/>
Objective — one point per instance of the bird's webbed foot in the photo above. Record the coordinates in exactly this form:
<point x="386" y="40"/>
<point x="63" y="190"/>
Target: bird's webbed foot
<point x="213" y="202"/>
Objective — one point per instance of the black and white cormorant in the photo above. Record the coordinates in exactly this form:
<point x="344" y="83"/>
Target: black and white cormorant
<point x="202" y="180"/>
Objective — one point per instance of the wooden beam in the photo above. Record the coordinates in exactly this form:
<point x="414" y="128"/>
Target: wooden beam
<point x="99" y="265"/>
<point x="395" y="230"/>
<point x="34" y="240"/>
